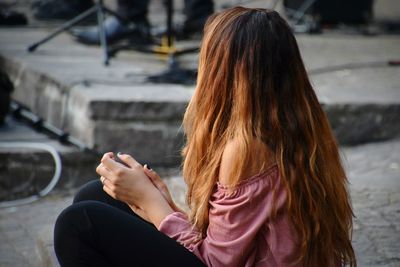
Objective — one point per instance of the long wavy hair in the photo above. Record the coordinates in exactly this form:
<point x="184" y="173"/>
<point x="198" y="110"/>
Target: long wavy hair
<point x="252" y="84"/>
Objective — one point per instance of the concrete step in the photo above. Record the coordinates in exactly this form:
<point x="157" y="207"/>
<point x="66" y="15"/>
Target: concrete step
<point x="116" y="110"/>
<point x="24" y="171"/>
<point x="109" y="109"/>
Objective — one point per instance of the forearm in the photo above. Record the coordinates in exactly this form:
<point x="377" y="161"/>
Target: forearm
<point x="157" y="208"/>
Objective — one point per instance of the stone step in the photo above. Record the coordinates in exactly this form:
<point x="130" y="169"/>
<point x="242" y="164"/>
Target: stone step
<point x="114" y="109"/>
<point x="24" y="171"/>
<point x="135" y="117"/>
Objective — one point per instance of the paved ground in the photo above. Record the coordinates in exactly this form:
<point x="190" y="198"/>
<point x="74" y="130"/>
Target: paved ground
<point x="26" y="231"/>
<point x="374" y="173"/>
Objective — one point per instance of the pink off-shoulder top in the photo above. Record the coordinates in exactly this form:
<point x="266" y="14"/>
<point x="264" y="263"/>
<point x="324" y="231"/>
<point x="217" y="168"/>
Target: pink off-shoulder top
<point x="241" y="231"/>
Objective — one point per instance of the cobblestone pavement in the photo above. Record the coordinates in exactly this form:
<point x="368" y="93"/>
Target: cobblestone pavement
<point x="374" y="173"/>
<point x="20" y="227"/>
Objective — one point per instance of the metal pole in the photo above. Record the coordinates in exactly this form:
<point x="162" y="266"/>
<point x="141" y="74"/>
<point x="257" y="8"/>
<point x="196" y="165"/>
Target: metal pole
<point x="64" y="27"/>
<point x="170" y="13"/>
<point x="102" y="31"/>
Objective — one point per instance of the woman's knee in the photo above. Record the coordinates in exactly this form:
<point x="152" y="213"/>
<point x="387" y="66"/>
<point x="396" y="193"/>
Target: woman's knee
<point x="92" y="190"/>
<point x="68" y="217"/>
<point x="64" y="225"/>
<point x="73" y="227"/>
<point x="75" y="218"/>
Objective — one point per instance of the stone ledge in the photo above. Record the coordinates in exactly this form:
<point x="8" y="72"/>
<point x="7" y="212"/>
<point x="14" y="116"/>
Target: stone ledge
<point x="361" y="123"/>
<point x="45" y="96"/>
<point x="104" y="116"/>
<point x="158" y="144"/>
<point x="132" y="103"/>
<point x="33" y="169"/>
<point x="144" y="119"/>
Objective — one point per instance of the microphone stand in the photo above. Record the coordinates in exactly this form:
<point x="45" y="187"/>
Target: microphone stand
<point x="174" y="73"/>
<point x="99" y="9"/>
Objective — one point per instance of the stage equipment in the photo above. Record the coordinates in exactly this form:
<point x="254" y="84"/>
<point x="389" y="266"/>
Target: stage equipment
<point x="327" y="12"/>
<point x="166" y="48"/>
<point x="297" y="11"/>
<point x="100" y="10"/>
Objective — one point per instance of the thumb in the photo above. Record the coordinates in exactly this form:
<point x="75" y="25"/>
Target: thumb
<point x="128" y="160"/>
<point x="152" y="174"/>
<point x="154" y="177"/>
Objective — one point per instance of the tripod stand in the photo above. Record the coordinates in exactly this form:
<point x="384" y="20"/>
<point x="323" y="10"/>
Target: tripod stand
<point x="297" y="15"/>
<point x="174" y="73"/>
<point x="98" y="9"/>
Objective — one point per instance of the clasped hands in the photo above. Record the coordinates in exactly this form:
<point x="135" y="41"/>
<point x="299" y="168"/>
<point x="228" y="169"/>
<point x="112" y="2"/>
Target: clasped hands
<point x="138" y="186"/>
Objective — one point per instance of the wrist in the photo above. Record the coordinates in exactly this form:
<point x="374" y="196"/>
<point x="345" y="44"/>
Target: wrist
<point x="157" y="208"/>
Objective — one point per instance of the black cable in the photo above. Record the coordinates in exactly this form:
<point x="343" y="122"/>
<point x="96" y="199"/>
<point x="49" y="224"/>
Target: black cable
<point x="22" y="113"/>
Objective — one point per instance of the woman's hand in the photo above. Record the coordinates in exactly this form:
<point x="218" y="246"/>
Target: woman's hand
<point x="132" y="186"/>
<point x="161" y="186"/>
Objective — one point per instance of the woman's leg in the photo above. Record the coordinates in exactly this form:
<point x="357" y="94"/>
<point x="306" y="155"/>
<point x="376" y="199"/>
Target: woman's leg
<point x="91" y="233"/>
<point x="93" y="190"/>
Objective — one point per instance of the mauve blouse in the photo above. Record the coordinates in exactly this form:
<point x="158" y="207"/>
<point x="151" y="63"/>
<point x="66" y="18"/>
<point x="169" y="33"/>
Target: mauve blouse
<point x="241" y="231"/>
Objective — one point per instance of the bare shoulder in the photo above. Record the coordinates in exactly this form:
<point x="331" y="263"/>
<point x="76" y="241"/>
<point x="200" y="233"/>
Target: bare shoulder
<point x="227" y="161"/>
<point x="261" y="158"/>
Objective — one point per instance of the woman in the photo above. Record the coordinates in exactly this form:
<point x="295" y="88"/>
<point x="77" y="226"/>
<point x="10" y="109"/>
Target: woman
<point x="265" y="182"/>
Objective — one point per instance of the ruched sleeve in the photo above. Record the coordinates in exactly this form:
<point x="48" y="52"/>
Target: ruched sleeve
<point x="235" y="220"/>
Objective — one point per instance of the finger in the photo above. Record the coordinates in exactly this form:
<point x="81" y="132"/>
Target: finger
<point x="107" y="155"/>
<point x="102" y="170"/>
<point x="109" y="184"/>
<point x="152" y="174"/>
<point x="110" y="163"/>
<point x="103" y="181"/>
<point x="154" y="177"/>
<point x="128" y="159"/>
<point x="109" y="191"/>
<point x="119" y="160"/>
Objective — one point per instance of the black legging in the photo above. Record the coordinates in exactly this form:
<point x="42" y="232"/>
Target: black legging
<point x="100" y="231"/>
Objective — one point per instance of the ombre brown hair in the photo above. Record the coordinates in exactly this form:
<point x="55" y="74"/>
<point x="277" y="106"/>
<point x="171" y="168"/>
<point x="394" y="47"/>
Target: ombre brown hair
<point x="252" y="85"/>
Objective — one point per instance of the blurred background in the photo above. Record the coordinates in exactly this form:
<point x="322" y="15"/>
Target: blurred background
<point x="79" y="78"/>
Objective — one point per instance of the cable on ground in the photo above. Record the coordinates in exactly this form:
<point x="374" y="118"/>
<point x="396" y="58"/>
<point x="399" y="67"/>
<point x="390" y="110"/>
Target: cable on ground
<point x="56" y="177"/>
